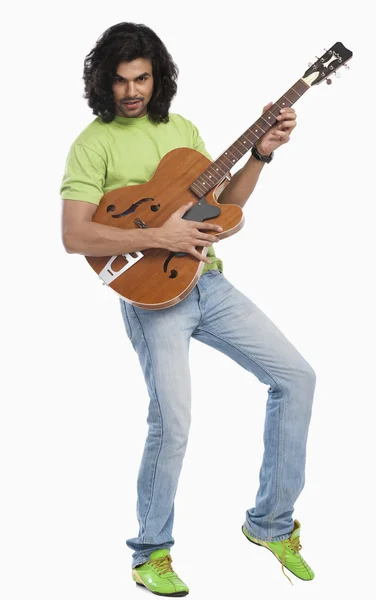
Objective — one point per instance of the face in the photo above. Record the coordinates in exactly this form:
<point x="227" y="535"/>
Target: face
<point x="133" y="87"/>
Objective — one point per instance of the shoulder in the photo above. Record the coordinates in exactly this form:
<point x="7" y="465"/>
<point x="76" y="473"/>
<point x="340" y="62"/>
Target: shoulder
<point x="93" y="137"/>
<point x="181" y="121"/>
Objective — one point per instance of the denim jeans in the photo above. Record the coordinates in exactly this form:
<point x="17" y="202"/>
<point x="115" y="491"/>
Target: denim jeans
<point x="219" y="315"/>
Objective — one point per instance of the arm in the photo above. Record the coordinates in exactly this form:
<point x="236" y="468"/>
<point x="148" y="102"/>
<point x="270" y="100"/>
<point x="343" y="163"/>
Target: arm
<point x="244" y="181"/>
<point x="82" y="236"/>
<point x="81" y="191"/>
<point x="237" y="188"/>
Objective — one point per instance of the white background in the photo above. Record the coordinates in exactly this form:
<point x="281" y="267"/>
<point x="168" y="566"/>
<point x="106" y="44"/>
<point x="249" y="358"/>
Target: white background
<point x="74" y="403"/>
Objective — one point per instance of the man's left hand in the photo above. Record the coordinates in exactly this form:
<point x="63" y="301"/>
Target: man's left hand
<point x="280" y="132"/>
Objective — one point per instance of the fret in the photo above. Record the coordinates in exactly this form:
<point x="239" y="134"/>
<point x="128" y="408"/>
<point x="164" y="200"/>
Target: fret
<point x="240" y="148"/>
<point x="247" y="144"/>
<point x="267" y="119"/>
<point x="293" y="91"/>
<point x="258" y="131"/>
<point x="213" y="178"/>
<point x="235" y="152"/>
<point x="215" y="172"/>
<point x="206" y="177"/>
<point x="196" y="188"/>
<point x="302" y="86"/>
<point x="230" y="150"/>
<point x="223" y="158"/>
<point x="247" y="138"/>
<point x="285" y="102"/>
<point x="271" y="119"/>
<point x="218" y="168"/>
<point x="275" y="110"/>
<point x="261" y="125"/>
<point x="252" y="133"/>
<point x="290" y="96"/>
<point x="200" y="186"/>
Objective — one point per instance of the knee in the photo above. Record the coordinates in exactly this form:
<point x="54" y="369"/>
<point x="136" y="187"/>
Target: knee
<point x="176" y="434"/>
<point x="310" y="375"/>
<point x="304" y="376"/>
<point x="307" y="382"/>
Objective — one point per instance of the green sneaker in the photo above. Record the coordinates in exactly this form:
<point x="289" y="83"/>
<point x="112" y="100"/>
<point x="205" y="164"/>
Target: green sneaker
<point x="158" y="576"/>
<point x="287" y="552"/>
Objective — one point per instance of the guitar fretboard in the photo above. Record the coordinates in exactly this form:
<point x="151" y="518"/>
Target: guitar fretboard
<point x="218" y="169"/>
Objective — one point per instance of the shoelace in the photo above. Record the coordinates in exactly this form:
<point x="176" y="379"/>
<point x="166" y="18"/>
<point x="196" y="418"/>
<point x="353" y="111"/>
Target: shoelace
<point x="163" y="565"/>
<point x="295" y="546"/>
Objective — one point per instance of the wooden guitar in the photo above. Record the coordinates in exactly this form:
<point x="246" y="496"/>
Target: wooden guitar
<point x="157" y="278"/>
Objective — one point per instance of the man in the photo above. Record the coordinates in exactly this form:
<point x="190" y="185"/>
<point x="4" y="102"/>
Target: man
<point x="130" y="80"/>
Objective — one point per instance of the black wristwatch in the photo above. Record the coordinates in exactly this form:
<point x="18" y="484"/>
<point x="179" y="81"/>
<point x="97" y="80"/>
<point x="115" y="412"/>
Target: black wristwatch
<point x="260" y="157"/>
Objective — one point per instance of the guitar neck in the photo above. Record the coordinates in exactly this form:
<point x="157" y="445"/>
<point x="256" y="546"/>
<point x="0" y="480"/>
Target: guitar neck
<point x="218" y="169"/>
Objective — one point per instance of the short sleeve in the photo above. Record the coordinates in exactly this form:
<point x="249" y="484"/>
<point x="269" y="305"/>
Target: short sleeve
<point x="198" y="143"/>
<point x="84" y="175"/>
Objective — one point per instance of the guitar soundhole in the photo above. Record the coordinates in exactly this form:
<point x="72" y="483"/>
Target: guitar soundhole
<point x="173" y="274"/>
<point x="131" y="209"/>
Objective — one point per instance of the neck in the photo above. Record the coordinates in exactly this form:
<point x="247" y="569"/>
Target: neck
<point x="218" y="169"/>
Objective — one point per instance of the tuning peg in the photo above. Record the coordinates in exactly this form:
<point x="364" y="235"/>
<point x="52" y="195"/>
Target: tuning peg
<point x="310" y="64"/>
<point x="337" y="74"/>
<point x="346" y="67"/>
<point x="328" y="81"/>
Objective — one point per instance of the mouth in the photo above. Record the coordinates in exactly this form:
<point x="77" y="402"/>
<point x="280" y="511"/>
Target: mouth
<point x="133" y="104"/>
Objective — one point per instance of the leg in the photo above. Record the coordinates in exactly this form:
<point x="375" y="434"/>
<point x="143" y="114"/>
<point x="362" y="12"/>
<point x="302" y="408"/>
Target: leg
<point x="161" y="339"/>
<point x="234" y="325"/>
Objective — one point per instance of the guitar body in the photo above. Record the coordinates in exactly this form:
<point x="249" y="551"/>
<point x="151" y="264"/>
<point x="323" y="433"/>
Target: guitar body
<point x="157" y="278"/>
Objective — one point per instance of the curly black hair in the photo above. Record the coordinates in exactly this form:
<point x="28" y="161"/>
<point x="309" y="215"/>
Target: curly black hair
<point x="126" y="42"/>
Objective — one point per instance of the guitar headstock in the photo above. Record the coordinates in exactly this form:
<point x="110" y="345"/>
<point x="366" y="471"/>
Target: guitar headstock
<point x="333" y="59"/>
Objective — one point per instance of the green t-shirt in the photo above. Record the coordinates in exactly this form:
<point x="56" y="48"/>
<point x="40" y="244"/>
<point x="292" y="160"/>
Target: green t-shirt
<point x="127" y="151"/>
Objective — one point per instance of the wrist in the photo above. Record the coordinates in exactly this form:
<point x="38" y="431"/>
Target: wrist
<point x="154" y="237"/>
<point x="257" y="154"/>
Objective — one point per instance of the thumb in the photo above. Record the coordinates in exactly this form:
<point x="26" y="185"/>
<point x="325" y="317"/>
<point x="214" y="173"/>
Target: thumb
<point x="269" y="105"/>
<point x="183" y="209"/>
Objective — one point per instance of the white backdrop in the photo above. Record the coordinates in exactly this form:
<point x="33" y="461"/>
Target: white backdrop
<point x="74" y="403"/>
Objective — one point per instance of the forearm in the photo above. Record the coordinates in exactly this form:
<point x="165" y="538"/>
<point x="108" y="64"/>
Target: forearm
<point x="242" y="183"/>
<point x="94" y="239"/>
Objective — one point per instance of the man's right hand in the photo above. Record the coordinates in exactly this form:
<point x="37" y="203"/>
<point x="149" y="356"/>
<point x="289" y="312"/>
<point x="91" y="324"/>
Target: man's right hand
<point x="180" y="235"/>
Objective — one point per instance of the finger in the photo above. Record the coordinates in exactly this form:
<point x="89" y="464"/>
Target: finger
<point x="196" y="254"/>
<point x="288" y="109"/>
<point x="285" y="116"/>
<point x="183" y="209"/>
<point x="287" y="125"/>
<point x="203" y="243"/>
<point x="207" y="226"/>
<point x="209" y="238"/>
<point x="269" y="105"/>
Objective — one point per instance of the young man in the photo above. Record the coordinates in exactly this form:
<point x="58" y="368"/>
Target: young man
<point x="130" y="80"/>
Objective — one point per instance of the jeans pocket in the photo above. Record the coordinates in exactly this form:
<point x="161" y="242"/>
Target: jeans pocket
<point x="127" y="324"/>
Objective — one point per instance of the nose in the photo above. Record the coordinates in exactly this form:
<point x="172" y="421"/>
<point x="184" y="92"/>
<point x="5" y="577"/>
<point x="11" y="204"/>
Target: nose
<point x="131" y="89"/>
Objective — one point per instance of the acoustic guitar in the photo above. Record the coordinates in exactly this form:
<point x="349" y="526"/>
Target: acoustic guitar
<point x="157" y="278"/>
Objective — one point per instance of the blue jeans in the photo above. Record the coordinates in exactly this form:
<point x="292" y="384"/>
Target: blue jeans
<point x="219" y="315"/>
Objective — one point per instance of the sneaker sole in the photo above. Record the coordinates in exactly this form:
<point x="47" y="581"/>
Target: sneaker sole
<point x="276" y="555"/>
<point x="174" y="594"/>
